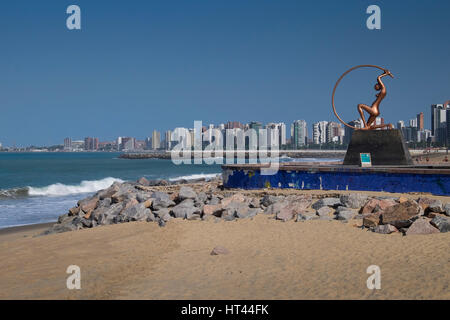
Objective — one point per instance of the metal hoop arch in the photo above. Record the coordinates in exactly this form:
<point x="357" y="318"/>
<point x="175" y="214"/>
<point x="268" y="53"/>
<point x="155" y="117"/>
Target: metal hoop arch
<point x="339" y="80"/>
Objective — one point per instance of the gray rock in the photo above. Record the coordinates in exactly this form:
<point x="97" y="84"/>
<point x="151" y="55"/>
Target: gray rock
<point x="214" y="201"/>
<point x="150" y="217"/>
<point x="107" y="193"/>
<point x="447" y="209"/>
<point x="268" y="200"/>
<point x="305" y="216"/>
<point x="436" y="206"/>
<point x="186" y="193"/>
<point x="136" y="213"/>
<point x="385" y="229"/>
<point x="421" y="226"/>
<point x="160" y="203"/>
<point x="185" y="209"/>
<point x="345" y="215"/>
<point x="106" y="202"/>
<point x="193" y="216"/>
<point x="107" y="216"/>
<point x="143" y="196"/>
<point x="86" y="223"/>
<point x="353" y="200"/>
<point x="64" y="218"/>
<point x="276" y="207"/>
<point x="202" y="197"/>
<point x="236" y="209"/>
<point x="442" y="223"/>
<point x="330" y="202"/>
<point x="160" y="195"/>
<point x="324" y="212"/>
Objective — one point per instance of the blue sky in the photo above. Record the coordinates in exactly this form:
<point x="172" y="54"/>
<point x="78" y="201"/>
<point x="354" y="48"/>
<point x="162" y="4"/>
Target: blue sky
<point x="141" y="65"/>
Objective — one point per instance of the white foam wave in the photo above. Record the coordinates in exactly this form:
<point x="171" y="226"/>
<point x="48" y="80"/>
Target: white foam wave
<point x="196" y="176"/>
<point x="59" y="189"/>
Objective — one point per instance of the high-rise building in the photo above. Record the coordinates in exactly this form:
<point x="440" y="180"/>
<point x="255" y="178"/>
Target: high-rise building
<point x="127" y="143"/>
<point x="334" y="133"/>
<point x="420" y="122"/>
<point x="436" y="117"/>
<point x="90" y="143"/>
<point x="67" y="144"/>
<point x="320" y="132"/>
<point x="349" y="131"/>
<point x="400" y="124"/>
<point x="234" y="125"/>
<point x="156" y="140"/>
<point x="168" y="140"/>
<point x="299" y="133"/>
<point x="413" y="122"/>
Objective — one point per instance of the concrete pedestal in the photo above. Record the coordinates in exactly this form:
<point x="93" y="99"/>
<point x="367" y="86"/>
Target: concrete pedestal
<point x="386" y="147"/>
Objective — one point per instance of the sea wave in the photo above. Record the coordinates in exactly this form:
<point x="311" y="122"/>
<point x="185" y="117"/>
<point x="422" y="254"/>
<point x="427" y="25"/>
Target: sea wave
<point x="59" y="189"/>
<point x="206" y="176"/>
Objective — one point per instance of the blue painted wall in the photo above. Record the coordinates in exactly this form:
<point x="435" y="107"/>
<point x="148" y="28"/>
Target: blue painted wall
<point x="339" y="180"/>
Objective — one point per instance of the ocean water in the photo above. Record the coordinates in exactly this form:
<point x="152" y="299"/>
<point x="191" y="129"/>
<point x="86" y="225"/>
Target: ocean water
<point x="39" y="187"/>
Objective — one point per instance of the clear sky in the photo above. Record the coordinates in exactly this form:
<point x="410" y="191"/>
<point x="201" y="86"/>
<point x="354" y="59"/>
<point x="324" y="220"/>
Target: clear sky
<point x="136" y="66"/>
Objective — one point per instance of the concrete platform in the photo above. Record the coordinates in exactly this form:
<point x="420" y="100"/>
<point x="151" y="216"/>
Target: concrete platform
<point x="399" y="179"/>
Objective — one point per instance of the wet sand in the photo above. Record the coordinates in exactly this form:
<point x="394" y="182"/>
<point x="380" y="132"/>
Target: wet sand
<point x="268" y="259"/>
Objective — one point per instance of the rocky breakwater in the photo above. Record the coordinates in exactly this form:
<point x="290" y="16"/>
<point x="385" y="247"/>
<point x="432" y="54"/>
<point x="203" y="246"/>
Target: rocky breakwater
<point x="160" y="202"/>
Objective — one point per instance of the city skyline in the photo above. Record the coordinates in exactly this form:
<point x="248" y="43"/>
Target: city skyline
<point x="296" y="135"/>
<point x="162" y="65"/>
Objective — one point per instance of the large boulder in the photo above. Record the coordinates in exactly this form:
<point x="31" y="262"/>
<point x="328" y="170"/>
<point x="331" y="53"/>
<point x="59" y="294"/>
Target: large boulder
<point x="325" y="212"/>
<point x="236" y="209"/>
<point x="371" y="220"/>
<point x="330" y="202"/>
<point x="88" y="204"/>
<point x="107" y="193"/>
<point x="137" y="212"/>
<point x="345" y="214"/>
<point x="185" y="209"/>
<point x="107" y="215"/>
<point x="213" y="209"/>
<point x="375" y="205"/>
<point x="421" y="226"/>
<point x="402" y="214"/>
<point x="436" y="206"/>
<point x="269" y="199"/>
<point x="442" y="223"/>
<point x="287" y="212"/>
<point x="447" y="209"/>
<point x="353" y="200"/>
<point x="159" y="203"/>
<point x="424" y="202"/>
<point x="186" y="193"/>
<point x="160" y="195"/>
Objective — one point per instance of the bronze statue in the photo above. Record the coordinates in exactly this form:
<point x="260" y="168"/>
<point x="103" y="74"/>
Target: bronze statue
<point x="374" y="110"/>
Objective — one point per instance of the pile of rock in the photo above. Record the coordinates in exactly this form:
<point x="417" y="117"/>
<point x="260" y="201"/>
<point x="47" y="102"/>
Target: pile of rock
<point x="424" y="216"/>
<point x="140" y="201"/>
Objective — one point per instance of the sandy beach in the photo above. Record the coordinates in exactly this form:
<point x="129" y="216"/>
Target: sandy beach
<point x="268" y="259"/>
